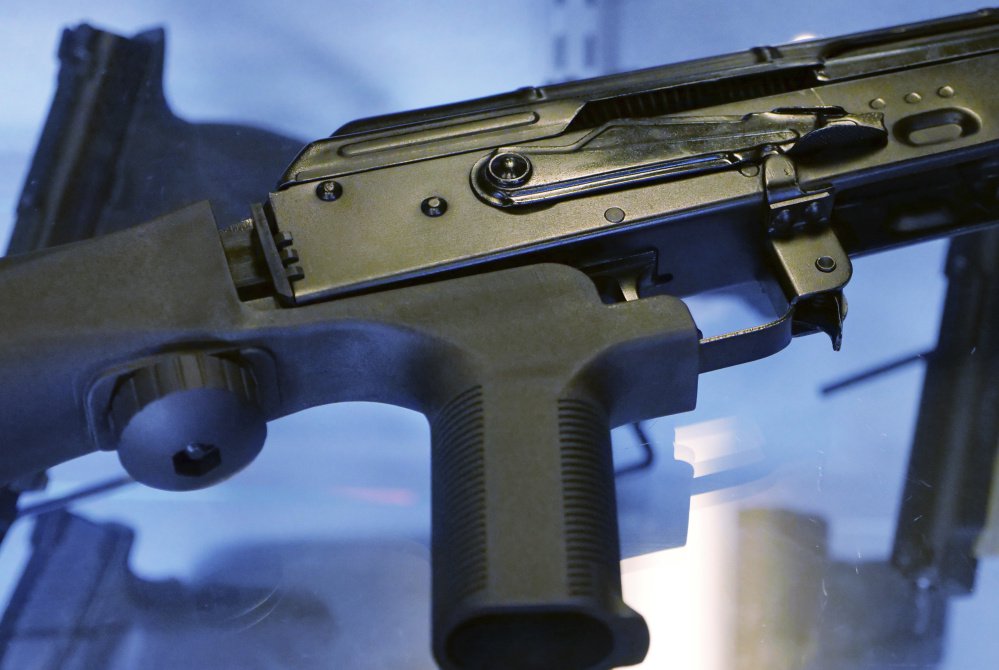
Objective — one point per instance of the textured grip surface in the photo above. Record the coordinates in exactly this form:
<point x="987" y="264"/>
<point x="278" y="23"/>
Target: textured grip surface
<point x="525" y="540"/>
<point x="459" y="500"/>
<point x="590" y="510"/>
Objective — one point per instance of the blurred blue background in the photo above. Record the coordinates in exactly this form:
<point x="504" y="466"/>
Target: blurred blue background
<point x="360" y="473"/>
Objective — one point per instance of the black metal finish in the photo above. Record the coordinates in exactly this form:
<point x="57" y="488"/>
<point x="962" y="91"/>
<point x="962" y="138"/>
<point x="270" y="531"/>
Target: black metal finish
<point x="833" y="183"/>
<point x="532" y="113"/>
<point x="627" y="152"/>
<point x="523" y="332"/>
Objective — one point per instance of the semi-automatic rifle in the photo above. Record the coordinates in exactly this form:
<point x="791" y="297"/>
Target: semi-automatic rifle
<point x="514" y="268"/>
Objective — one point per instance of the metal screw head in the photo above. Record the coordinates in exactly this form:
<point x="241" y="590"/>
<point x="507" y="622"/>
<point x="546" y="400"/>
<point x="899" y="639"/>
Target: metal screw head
<point x="174" y="417"/>
<point x="329" y="190"/>
<point x="434" y="206"/>
<point x="878" y="103"/>
<point x="825" y="263"/>
<point x="913" y="98"/>
<point x="946" y="91"/>
<point x="508" y="169"/>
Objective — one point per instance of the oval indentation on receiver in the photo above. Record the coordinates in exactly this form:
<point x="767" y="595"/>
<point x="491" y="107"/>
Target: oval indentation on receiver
<point x="936" y="126"/>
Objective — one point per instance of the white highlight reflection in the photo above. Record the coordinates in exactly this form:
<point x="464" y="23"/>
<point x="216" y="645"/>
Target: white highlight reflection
<point x="688" y="595"/>
<point x="719" y="444"/>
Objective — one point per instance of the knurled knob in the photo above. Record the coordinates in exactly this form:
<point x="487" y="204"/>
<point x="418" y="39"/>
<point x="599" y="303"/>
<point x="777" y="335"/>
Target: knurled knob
<point x="188" y="420"/>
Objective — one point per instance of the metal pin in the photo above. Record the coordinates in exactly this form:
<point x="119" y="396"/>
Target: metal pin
<point x="329" y="190"/>
<point x="434" y="206"/>
<point x="825" y="263"/>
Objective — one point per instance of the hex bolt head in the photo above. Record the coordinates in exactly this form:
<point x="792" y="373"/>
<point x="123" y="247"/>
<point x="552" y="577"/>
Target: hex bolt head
<point x="825" y="263"/>
<point x="434" y="206"/>
<point x="187" y="420"/>
<point x="329" y="190"/>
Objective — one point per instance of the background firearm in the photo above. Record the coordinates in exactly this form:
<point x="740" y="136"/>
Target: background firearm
<point x="514" y="268"/>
